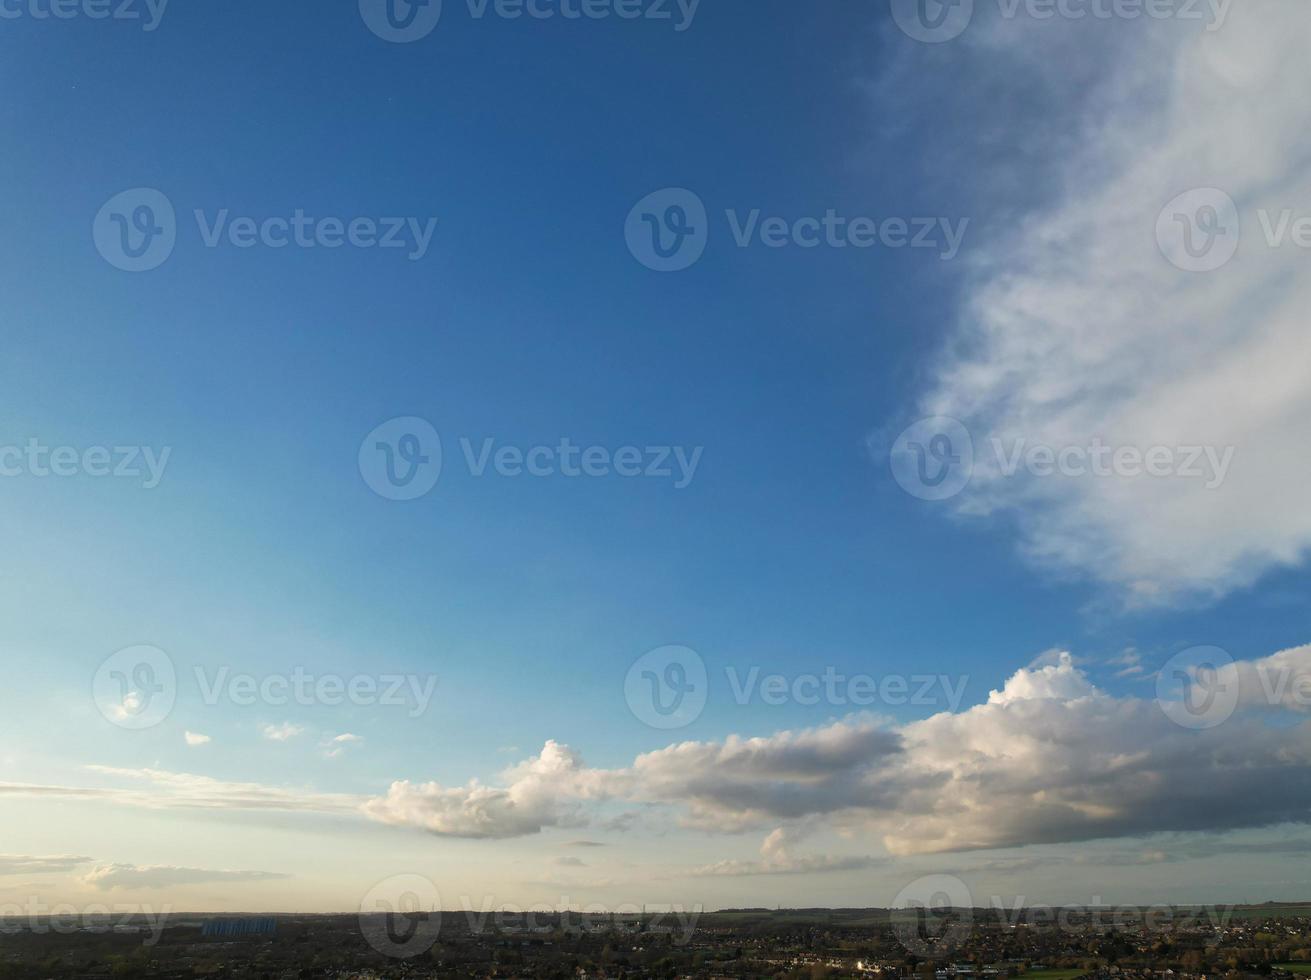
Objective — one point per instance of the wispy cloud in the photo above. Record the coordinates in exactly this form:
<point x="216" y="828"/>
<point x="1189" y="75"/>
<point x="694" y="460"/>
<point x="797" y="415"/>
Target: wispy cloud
<point x="337" y="744"/>
<point x="159" y="789"/>
<point x="776" y="858"/>
<point x="1074" y="327"/>
<point x="110" y="876"/>
<point x="282" y="732"/>
<point x="20" y="864"/>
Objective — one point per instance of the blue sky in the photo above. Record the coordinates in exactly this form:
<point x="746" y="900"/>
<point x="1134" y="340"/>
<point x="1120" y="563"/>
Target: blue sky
<point x="793" y="549"/>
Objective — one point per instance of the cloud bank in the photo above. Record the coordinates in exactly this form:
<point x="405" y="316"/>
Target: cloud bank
<point x="1050" y="758"/>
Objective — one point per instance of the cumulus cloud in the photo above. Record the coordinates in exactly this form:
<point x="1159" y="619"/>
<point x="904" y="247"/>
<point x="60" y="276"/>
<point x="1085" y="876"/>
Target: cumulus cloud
<point x="1074" y="328"/>
<point x="110" y="876"/>
<point x="743" y="782"/>
<point x="194" y="738"/>
<point x="1050" y="758"/>
<point x="1060" y="680"/>
<point x="541" y="792"/>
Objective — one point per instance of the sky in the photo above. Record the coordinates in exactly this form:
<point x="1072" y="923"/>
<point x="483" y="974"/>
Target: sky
<point x="641" y="452"/>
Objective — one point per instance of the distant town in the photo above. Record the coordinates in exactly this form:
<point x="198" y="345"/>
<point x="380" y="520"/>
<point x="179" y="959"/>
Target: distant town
<point x="1158" y="943"/>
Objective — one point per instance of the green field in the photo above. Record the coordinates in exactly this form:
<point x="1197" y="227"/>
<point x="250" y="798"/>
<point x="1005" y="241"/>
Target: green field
<point x="1295" y="967"/>
<point x="1053" y="974"/>
<point x="1270" y="911"/>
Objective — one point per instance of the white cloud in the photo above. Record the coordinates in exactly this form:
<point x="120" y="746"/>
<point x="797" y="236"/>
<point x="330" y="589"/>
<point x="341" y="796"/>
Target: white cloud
<point x="1049" y="759"/>
<point x="1060" y="680"/>
<point x="542" y="792"/>
<point x="20" y="864"/>
<point x="336" y="745"/>
<point x="195" y="738"/>
<point x="776" y="858"/>
<point x="179" y="790"/>
<point x="282" y="732"/>
<point x="1075" y="327"/>
<point x="110" y="876"/>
